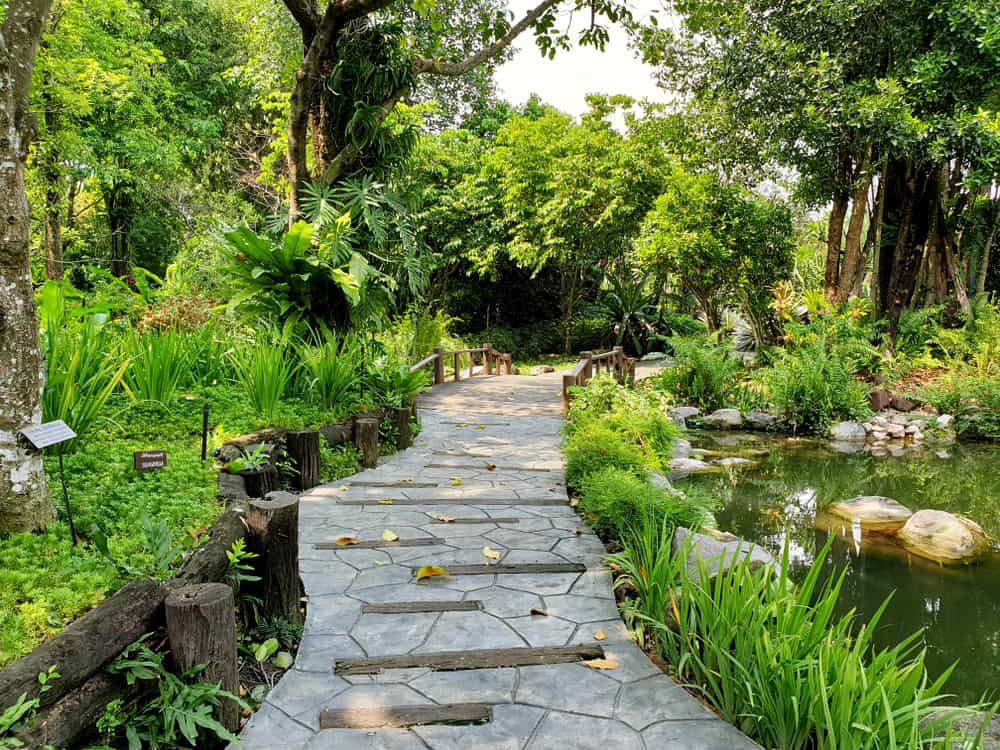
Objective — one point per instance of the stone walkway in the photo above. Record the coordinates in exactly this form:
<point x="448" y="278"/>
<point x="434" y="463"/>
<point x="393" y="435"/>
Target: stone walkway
<point x="512" y="425"/>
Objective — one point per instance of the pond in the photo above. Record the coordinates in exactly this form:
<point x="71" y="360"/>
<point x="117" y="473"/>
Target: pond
<point x="958" y="608"/>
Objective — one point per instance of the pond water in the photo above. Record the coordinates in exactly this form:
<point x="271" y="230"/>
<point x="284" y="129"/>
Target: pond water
<point x="958" y="608"/>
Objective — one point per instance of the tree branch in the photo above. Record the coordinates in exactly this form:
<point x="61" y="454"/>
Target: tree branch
<point x="444" y="68"/>
<point x="350" y="151"/>
<point x="305" y="14"/>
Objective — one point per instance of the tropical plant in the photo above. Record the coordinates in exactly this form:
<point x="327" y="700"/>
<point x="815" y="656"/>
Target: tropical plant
<point x="158" y="364"/>
<point x="704" y="374"/>
<point x="332" y="369"/>
<point x="630" y="305"/>
<point x="392" y="384"/>
<point x="264" y="370"/>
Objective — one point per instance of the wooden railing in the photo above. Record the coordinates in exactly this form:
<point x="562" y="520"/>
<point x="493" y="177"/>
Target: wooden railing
<point x="490" y="359"/>
<point x="613" y="362"/>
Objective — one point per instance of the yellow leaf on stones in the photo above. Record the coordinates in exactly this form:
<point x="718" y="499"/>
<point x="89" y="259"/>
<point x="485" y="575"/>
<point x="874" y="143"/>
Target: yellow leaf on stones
<point x="480" y="427"/>
<point x="490" y="554"/>
<point x="431" y="571"/>
<point x="491" y="467"/>
<point x="345" y="541"/>
<point x="390" y="536"/>
<point x="445" y="519"/>
<point x="602" y="663"/>
<point x="574" y="502"/>
<point x="385" y="502"/>
<point x="456" y="482"/>
<point x="600" y="635"/>
<point x="342" y="488"/>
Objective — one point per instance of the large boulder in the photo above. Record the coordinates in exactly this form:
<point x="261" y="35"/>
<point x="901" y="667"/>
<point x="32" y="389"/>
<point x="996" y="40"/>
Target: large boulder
<point x="761" y="420"/>
<point x="718" y="552"/>
<point x="688" y="465"/>
<point x="724" y="419"/>
<point x="680" y="414"/>
<point x="848" y="432"/>
<point x="872" y="512"/>
<point x="944" y="537"/>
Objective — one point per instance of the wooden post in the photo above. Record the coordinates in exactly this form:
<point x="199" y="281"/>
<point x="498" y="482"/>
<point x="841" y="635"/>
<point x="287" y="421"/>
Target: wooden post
<point x="588" y="370"/>
<point x="619" y="363"/>
<point x="303" y="450"/>
<point x="458" y="375"/>
<point x="508" y="363"/>
<point x="366" y="440"/>
<point x="273" y="533"/>
<point x="439" y="366"/>
<point x="260" y="481"/>
<point x="472" y="363"/>
<point x="568" y="382"/>
<point x="488" y="359"/>
<point x="201" y="627"/>
<point x="401" y="415"/>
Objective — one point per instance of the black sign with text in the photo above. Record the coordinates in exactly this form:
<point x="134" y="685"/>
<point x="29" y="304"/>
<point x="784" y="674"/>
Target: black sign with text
<point x="149" y="460"/>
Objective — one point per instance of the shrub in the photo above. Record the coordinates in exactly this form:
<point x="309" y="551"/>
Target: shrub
<point x="616" y="501"/>
<point x="776" y="659"/>
<point x="159" y="360"/>
<point x="389" y="383"/>
<point x="264" y="370"/>
<point x="972" y="397"/>
<point x="814" y="388"/>
<point x="704" y="374"/>
<point x="331" y="370"/>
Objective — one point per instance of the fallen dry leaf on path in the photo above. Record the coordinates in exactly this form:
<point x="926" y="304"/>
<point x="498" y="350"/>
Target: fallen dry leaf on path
<point x="385" y="501"/>
<point x="600" y="635"/>
<point x="456" y="482"/>
<point x="390" y="536"/>
<point x="195" y="533"/>
<point x="491" y="467"/>
<point x="431" y="571"/>
<point x="345" y="541"/>
<point x="445" y="519"/>
<point x="490" y="554"/>
<point x="602" y="663"/>
<point x="541" y="612"/>
<point x="342" y="488"/>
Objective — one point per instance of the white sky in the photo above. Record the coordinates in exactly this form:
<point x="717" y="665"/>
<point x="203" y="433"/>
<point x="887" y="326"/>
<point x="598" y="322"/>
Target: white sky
<point x="566" y="80"/>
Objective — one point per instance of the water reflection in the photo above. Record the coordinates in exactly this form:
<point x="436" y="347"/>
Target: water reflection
<point x="959" y="607"/>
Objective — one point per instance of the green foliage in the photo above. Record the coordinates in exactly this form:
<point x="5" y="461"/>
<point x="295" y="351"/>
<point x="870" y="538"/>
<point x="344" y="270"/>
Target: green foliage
<point x="179" y="714"/>
<point x="813" y="387"/>
<point x="704" y="374"/>
<point x="390" y="383"/>
<point x="13" y="718"/>
<point x="973" y="398"/>
<point x="158" y="364"/>
<point x="331" y="368"/>
<point x="614" y="501"/>
<point x="776" y="659"/>
<point x="338" y="462"/>
<point x="264" y="370"/>
<point x="287" y="634"/>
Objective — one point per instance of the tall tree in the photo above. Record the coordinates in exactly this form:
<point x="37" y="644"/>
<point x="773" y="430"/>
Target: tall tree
<point x="25" y="503"/>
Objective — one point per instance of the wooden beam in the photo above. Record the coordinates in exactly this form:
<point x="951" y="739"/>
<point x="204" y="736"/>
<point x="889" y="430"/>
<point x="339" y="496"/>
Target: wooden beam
<point x="397" y="483"/>
<point x="523" y="569"/>
<point x="405" y="608"/>
<point x="479" y="520"/>
<point x="381" y="544"/>
<point x="460" y="501"/>
<point x="404" y="716"/>
<point x="487" y="658"/>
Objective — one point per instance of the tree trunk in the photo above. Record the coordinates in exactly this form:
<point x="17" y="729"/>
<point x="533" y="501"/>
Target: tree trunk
<point x="119" y="210"/>
<point x="835" y="226"/>
<point x="854" y="259"/>
<point x="984" y="261"/>
<point x="51" y="172"/>
<point x="25" y="503"/>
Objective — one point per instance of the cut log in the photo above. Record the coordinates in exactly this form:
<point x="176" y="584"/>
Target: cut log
<point x="487" y="658"/>
<point x="261" y="481"/>
<point x="302" y="447"/>
<point x="366" y="441"/>
<point x="87" y="644"/>
<point x="401" y="416"/>
<point x="273" y="534"/>
<point x="209" y="562"/>
<point x="201" y="626"/>
<point x="404" y="716"/>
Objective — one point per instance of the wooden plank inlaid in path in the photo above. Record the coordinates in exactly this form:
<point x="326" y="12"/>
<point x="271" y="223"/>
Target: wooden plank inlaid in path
<point x="381" y="544"/>
<point x="460" y="501"/>
<point x="404" y="716"/>
<point x="523" y="569"/>
<point x="499" y="519"/>
<point x="405" y="608"/>
<point x="396" y="483"/>
<point x="487" y="658"/>
<point x="485" y="466"/>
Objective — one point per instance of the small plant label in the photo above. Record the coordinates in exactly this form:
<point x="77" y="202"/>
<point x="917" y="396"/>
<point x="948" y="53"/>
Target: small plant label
<point x="149" y="460"/>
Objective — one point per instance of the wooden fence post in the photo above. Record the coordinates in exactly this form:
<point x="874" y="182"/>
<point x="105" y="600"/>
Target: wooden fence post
<point x="508" y="363"/>
<point x="458" y="375"/>
<point x="401" y="417"/>
<point x="201" y="627"/>
<point x="619" y="363"/>
<point x="303" y="450"/>
<point x="488" y="359"/>
<point x="273" y="533"/>
<point x="568" y="381"/>
<point x="588" y="369"/>
<point x="439" y="366"/>
<point x="366" y="441"/>
<point x="472" y="363"/>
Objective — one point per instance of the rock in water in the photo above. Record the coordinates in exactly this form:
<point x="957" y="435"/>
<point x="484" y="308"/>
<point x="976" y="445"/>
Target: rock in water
<point x="944" y="537"/>
<point x="681" y="448"/>
<point x="724" y="419"/>
<point x="761" y="420"/>
<point x="873" y="512"/>
<point x="848" y="432"/>
<point x="688" y="465"/>
<point x="718" y="554"/>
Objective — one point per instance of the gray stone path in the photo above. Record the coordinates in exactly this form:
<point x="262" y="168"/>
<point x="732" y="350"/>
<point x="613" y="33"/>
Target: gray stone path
<point x="511" y="424"/>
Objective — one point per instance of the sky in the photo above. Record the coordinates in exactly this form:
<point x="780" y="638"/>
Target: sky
<point x="566" y="80"/>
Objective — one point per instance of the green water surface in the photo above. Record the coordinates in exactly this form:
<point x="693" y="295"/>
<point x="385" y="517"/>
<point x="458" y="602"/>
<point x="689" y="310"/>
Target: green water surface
<point x="958" y="608"/>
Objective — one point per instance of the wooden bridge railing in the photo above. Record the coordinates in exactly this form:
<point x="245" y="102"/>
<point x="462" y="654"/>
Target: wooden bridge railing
<point x="490" y="358"/>
<point x="614" y="363"/>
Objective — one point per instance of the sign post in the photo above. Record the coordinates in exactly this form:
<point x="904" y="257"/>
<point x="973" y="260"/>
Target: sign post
<point x="41" y="437"/>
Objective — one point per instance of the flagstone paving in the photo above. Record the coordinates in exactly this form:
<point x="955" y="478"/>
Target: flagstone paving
<point x="486" y="443"/>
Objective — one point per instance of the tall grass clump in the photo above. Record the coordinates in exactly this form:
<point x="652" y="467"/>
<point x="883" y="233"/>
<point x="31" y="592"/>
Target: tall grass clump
<point x="704" y="374"/>
<point x="776" y="659"/>
<point x="207" y="349"/>
<point x="159" y="361"/>
<point x="80" y="375"/>
<point x="264" y="370"/>
<point x="813" y="387"/>
<point x="332" y="369"/>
